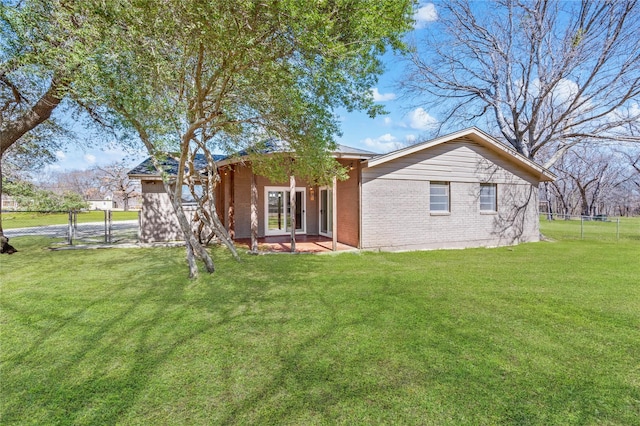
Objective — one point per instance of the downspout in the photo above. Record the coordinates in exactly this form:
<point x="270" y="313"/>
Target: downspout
<point x="232" y="202"/>
<point x="359" y="174"/>
<point x="334" y="215"/>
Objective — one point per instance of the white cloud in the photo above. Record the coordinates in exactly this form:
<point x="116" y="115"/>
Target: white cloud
<point x="388" y="121"/>
<point x="60" y="155"/>
<point x="420" y="119"/>
<point x="382" y="97"/>
<point x="424" y="14"/>
<point x="90" y="158"/>
<point x="384" y="143"/>
<point x="410" y="139"/>
<point x="566" y="90"/>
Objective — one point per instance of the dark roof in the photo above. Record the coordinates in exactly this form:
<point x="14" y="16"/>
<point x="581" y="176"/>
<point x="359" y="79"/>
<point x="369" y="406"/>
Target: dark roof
<point x="266" y="147"/>
<point x="170" y="165"/>
<point x="344" y="149"/>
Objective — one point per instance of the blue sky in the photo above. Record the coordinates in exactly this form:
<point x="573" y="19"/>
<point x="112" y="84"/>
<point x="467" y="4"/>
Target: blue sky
<point x="402" y="126"/>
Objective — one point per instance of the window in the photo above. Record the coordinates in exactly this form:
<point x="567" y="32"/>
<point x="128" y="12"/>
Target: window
<point x="187" y="196"/>
<point x="439" y="196"/>
<point x="488" y="197"/>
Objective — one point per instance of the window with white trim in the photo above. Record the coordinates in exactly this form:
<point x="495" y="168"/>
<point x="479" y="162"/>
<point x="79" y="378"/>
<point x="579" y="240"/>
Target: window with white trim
<point x="439" y="196"/>
<point x="488" y="197"/>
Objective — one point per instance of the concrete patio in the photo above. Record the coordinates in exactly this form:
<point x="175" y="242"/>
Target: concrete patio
<point x="304" y="244"/>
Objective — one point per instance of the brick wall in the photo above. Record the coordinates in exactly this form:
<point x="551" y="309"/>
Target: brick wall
<point x="396" y="216"/>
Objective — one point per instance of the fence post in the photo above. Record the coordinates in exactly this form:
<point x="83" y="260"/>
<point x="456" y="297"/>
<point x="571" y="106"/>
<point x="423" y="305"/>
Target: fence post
<point x="70" y="232"/>
<point x="618" y="229"/>
<point x="581" y="227"/>
<point x="107" y="226"/>
<point x="109" y="215"/>
<point x="75" y="224"/>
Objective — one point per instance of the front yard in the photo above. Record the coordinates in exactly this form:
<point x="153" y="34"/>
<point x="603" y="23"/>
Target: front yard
<point x="543" y="333"/>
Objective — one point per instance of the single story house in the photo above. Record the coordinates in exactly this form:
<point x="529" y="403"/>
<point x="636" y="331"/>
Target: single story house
<point x="102" y="204"/>
<point x="464" y="189"/>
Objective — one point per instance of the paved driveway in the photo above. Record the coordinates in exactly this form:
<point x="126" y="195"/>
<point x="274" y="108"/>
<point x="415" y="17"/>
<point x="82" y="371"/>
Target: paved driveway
<point x="90" y="229"/>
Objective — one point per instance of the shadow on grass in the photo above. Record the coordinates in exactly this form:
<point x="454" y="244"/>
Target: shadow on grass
<point x="289" y="339"/>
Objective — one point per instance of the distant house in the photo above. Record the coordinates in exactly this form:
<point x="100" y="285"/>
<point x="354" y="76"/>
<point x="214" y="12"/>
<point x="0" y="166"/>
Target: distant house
<point x="9" y="203"/>
<point x="105" y="204"/>
<point x="464" y="189"/>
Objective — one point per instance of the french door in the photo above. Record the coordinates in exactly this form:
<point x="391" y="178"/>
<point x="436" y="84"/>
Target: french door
<point x="278" y="211"/>
<point x="326" y="212"/>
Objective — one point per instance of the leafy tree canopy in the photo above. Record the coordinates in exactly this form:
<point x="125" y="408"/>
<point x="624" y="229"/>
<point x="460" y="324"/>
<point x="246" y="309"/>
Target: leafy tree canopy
<point x="229" y="74"/>
<point x="220" y="75"/>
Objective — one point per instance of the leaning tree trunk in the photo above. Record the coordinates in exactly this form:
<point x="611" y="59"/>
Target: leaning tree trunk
<point x="190" y="238"/>
<point x="191" y="261"/>
<point x="206" y="209"/>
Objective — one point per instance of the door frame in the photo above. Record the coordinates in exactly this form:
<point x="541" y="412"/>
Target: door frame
<point x="301" y="227"/>
<point x="329" y="191"/>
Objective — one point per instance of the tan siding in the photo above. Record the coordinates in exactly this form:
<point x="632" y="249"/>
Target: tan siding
<point x="463" y="161"/>
<point x="157" y="219"/>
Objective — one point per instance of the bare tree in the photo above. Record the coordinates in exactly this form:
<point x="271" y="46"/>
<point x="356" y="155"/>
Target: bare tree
<point x="87" y="183"/>
<point x="543" y="74"/>
<point x="592" y="181"/>
<point x="115" y="180"/>
<point x="627" y="195"/>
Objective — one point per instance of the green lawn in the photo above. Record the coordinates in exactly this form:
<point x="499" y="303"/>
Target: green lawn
<point x="624" y="228"/>
<point x="12" y="220"/>
<point x="543" y="333"/>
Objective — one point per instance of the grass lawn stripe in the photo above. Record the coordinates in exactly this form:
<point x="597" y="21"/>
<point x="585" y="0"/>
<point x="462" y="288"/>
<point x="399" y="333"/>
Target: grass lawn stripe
<point x="542" y="333"/>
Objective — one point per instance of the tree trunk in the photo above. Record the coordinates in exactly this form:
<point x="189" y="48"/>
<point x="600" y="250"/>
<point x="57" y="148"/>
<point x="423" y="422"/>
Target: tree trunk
<point x="189" y="236"/>
<point x="548" y="199"/>
<point x="198" y="249"/>
<point x="191" y="260"/>
<point x="584" y="200"/>
<point x="219" y="230"/>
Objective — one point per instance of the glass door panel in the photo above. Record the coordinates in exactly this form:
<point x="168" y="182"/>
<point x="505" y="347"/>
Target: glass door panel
<point x="326" y="211"/>
<point x="299" y="211"/>
<point x="276" y="212"/>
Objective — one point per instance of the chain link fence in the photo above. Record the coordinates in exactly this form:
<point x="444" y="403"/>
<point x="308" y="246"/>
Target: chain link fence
<point x="599" y="227"/>
<point x="75" y="227"/>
